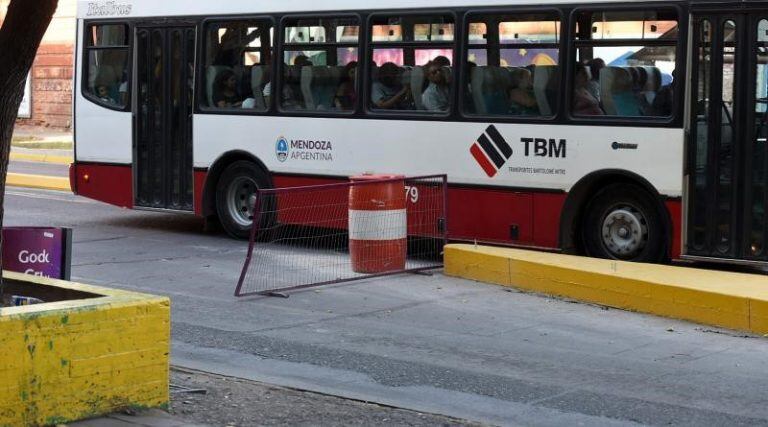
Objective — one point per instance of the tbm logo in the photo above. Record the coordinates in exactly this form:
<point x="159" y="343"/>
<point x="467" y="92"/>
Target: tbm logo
<point x="541" y="147"/>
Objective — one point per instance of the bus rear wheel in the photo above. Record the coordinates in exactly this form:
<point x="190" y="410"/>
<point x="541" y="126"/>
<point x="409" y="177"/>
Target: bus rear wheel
<point x="622" y="222"/>
<point x="236" y="197"/>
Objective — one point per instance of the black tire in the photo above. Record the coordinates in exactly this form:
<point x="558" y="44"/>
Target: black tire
<point x="622" y="222"/>
<point x="234" y="192"/>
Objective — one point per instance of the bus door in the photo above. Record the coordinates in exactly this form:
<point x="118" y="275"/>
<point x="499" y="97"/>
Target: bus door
<point x="164" y="82"/>
<point x="727" y="187"/>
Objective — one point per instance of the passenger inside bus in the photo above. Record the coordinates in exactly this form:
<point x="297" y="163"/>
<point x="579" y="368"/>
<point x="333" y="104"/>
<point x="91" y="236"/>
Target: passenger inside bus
<point x="619" y="95"/>
<point x="521" y="98"/>
<point x="436" y="96"/>
<point x="233" y="43"/>
<point x="662" y="102"/>
<point x="389" y="92"/>
<point x="292" y="98"/>
<point x="346" y="95"/>
<point x="225" y="93"/>
<point x="584" y="103"/>
<point x="595" y="65"/>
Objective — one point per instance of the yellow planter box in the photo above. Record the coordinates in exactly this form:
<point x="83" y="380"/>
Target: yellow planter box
<point x="103" y="351"/>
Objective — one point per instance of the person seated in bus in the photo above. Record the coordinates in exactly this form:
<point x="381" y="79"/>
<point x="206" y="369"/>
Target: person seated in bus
<point x="437" y="95"/>
<point x="388" y="92"/>
<point x="225" y="91"/>
<point x="234" y="41"/>
<point x="346" y="95"/>
<point x="442" y="61"/>
<point x="595" y="65"/>
<point x="292" y="97"/>
<point x="624" y="97"/>
<point x="469" y="102"/>
<point x="102" y="92"/>
<point x="662" y="103"/>
<point x="584" y="103"/>
<point x="521" y="97"/>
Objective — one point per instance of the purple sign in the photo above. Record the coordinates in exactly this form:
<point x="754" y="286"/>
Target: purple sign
<point x="38" y="251"/>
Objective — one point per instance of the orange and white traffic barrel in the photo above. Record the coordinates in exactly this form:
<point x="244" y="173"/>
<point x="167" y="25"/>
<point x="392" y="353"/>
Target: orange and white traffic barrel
<point x="378" y="224"/>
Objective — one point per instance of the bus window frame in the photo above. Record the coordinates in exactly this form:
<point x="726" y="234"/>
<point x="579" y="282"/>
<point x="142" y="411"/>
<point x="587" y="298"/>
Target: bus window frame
<point x="370" y="46"/>
<point x="130" y="34"/>
<point x="676" y="118"/>
<point x="562" y="43"/>
<point x="279" y="66"/>
<point x="200" y="108"/>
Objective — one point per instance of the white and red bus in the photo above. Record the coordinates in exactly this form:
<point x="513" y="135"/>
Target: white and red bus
<point x="628" y="130"/>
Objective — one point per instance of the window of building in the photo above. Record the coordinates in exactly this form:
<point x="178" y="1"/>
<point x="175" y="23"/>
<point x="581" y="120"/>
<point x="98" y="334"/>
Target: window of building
<point x="237" y="65"/>
<point x="625" y="63"/>
<point x="412" y="67"/>
<point x="107" y="56"/>
<point x="320" y="58"/>
<point x="513" y="65"/>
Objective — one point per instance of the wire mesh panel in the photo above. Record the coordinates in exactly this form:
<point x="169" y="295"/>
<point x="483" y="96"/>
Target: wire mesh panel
<point x="323" y="234"/>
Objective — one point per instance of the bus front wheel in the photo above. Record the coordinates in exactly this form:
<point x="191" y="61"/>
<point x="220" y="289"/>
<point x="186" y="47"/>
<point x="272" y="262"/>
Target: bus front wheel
<point x="622" y="222"/>
<point x="236" y="194"/>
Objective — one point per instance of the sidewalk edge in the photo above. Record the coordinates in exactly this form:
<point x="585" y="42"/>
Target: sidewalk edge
<point x="731" y="300"/>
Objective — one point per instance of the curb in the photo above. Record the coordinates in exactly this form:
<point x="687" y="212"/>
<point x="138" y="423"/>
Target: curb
<point x="42" y="158"/>
<point x="101" y="351"/>
<point x="730" y="300"/>
<point x="43" y="145"/>
<point x="38" y="181"/>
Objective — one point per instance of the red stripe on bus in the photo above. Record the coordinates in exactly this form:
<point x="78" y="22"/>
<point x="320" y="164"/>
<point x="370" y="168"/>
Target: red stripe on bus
<point x="478" y="154"/>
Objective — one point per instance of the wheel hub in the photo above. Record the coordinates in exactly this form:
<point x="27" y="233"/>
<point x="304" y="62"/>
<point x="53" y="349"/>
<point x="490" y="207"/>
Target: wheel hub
<point x="241" y="199"/>
<point x="624" y="232"/>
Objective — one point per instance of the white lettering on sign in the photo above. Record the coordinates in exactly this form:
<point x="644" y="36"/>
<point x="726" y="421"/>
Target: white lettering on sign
<point x="27" y="258"/>
<point x="109" y="8"/>
<point x="34" y="273"/>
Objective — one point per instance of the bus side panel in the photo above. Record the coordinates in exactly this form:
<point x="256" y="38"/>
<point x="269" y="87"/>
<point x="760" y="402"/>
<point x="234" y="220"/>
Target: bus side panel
<point x="547" y="211"/>
<point x="675" y="208"/>
<point x="327" y="207"/>
<point x="112" y="184"/>
<point x="199" y="179"/>
<point x="490" y="215"/>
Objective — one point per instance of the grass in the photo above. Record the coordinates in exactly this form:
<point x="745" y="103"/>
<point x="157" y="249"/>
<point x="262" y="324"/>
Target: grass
<point x="34" y="142"/>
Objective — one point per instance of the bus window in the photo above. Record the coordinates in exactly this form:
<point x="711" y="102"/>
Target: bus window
<point x="412" y="66"/>
<point x="237" y="65"/>
<point x="107" y="64"/>
<point x="626" y="64"/>
<point x="320" y="59"/>
<point x="512" y="65"/>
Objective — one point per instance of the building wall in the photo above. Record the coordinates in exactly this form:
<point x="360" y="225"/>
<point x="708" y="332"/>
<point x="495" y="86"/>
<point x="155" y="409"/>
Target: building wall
<point x="53" y="70"/>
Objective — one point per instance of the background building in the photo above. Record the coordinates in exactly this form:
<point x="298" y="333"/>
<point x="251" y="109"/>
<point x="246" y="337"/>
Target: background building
<point x="50" y="83"/>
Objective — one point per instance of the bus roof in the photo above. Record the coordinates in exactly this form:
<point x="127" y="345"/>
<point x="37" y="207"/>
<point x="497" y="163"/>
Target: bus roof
<point x="100" y="9"/>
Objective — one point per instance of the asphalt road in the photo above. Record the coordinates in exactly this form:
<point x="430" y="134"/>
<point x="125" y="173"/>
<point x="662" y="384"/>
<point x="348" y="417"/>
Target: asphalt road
<point x="35" y="168"/>
<point x="432" y="344"/>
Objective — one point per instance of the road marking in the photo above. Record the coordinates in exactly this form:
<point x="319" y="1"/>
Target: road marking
<point x="50" y="196"/>
<point x="42" y="158"/>
<point x="38" y="181"/>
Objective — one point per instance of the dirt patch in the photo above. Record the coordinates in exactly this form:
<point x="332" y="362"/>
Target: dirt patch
<point x="237" y="402"/>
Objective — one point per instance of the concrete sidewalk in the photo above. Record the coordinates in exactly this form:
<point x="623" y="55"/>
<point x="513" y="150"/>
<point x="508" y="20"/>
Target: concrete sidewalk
<point x="51" y="148"/>
<point x="42" y="145"/>
<point x="724" y="299"/>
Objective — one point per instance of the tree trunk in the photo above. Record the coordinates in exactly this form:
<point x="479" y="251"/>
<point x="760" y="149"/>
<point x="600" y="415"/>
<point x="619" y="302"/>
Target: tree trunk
<point x="20" y="36"/>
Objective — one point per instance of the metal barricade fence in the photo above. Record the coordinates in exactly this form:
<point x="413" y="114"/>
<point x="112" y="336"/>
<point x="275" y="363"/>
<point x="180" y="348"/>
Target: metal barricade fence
<point x="324" y="234"/>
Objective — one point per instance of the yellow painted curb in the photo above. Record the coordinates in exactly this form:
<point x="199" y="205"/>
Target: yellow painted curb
<point x="42" y="158"/>
<point x="730" y="300"/>
<point x="38" y="181"/>
<point x="80" y="358"/>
